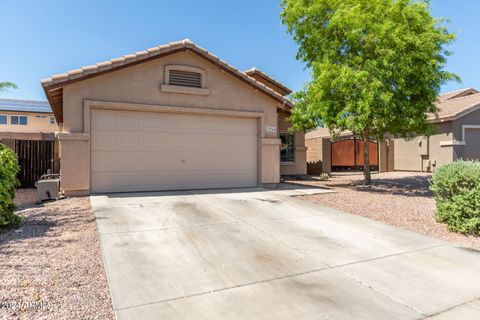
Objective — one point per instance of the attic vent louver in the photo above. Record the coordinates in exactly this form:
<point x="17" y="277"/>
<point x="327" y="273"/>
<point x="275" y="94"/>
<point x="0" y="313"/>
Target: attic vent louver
<point x="185" y="78"/>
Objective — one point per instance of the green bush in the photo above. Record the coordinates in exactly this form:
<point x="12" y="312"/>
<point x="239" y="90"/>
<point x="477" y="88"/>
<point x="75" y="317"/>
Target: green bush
<point x="324" y="176"/>
<point x="457" y="193"/>
<point x="8" y="185"/>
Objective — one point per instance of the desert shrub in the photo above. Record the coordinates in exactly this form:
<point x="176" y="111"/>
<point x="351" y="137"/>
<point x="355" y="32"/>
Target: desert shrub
<point x="8" y="185"/>
<point x="324" y="176"/>
<point x="457" y="193"/>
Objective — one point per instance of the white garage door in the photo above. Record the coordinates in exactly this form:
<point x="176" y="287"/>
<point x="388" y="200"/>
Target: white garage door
<point x="142" y="151"/>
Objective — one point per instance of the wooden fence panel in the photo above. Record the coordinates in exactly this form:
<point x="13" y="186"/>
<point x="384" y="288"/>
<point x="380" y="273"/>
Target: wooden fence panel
<point x="35" y="158"/>
<point x="347" y="154"/>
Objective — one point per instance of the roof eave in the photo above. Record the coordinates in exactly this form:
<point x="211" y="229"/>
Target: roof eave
<point x="61" y="80"/>
<point x="58" y="117"/>
<point x="455" y="116"/>
<point x="265" y="76"/>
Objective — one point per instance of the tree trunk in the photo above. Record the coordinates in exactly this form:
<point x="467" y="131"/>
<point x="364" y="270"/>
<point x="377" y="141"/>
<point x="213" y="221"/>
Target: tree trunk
<point x="366" y="160"/>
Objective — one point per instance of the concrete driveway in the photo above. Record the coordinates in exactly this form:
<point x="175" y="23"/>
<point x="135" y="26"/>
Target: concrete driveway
<point x="257" y="254"/>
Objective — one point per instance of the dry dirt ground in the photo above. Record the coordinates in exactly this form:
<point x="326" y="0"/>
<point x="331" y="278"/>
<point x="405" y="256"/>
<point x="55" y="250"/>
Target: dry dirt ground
<point x="396" y="198"/>
<point x="51" y="266"/>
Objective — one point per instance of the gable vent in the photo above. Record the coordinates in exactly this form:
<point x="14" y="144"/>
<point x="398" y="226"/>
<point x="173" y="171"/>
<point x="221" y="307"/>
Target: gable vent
<point x="185" y="79"/>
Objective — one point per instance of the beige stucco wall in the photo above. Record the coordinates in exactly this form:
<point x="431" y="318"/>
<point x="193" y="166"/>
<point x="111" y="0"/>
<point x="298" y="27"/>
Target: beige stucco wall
<point x="383" y="156"/>
<point x="319" y="155"/>
<point x="270" y="161"/>
<point x="425" y="153"/>
<point x="439" y="155"/>
<point x="36" y="122"/>
<point x="327" y="155"/>
<point x="299" y="166"/>
<point x="406" y="155"/>
<point x="140" y="85"/>
<point x="390" y="155"/>
<point x="314" y="155"/>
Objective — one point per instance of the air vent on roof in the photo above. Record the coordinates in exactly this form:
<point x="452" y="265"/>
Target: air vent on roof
<point x="185" y="78"/>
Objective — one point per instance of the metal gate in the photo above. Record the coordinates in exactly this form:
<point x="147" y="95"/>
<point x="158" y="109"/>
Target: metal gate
<point x="35" y="158"/>
<point x="347" y="154"/>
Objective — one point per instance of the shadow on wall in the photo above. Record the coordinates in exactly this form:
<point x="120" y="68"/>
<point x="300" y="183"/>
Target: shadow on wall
<point x="314" y="168"/>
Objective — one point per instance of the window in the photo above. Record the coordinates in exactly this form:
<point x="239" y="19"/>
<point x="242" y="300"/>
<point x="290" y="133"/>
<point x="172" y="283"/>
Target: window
<point x="52" y="120"/>
<point x="19" y="120"/>
<point x="287" y="148"/>
<point x="3" y="119"/>
<point x="185" y="78"/>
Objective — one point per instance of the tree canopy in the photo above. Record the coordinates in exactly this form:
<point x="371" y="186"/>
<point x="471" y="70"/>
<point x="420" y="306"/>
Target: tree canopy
<point x="377" y="66"/>
<point x="7" y="85"/>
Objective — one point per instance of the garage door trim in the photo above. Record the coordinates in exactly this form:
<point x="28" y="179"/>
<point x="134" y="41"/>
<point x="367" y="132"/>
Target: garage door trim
<point x="96" y="104"/>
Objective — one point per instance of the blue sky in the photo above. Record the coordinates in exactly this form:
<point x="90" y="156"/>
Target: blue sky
<point x="44" y="37"/>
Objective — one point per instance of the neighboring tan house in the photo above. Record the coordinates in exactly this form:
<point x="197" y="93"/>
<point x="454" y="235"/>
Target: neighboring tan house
<point x="25" y="120"/>
<point x="168" y="118"/>
<point x="456" y="136"/>
<point x="26" y="116"/>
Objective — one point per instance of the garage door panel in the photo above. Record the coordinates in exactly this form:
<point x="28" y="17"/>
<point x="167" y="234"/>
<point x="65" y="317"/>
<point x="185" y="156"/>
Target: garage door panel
<point x="104" y="159"/>
<point x="128" y="121"/>
<point x="229" y="126"/>
<point x="161" y="123"/>
<point x="164" y="161"/>
<point x="112" y="141"/>
<point x="116" y="140"/>
<point x="192" y="163"/>
<point x="221" y="143"/>
<point x="104" y="121"/>
<point x="164" y="142"/>
<point x="140" y="151"/>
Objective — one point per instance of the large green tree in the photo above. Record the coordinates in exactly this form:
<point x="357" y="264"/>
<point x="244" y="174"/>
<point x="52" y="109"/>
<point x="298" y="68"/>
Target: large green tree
<point x="7" y="85"/>
<point x="377" y="66"/>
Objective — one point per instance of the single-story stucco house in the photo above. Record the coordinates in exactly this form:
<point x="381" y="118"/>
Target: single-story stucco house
<point x="456" y="136"/>
<point x="169" y="118"/>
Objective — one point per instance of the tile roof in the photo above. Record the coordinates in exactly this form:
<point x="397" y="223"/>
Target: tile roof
<point x="255" y="70"/>
<point x="456" y="94"/>
<point x="25" y="105"/>
<point x="457" y="105"/>
<point x="57" y="81"/>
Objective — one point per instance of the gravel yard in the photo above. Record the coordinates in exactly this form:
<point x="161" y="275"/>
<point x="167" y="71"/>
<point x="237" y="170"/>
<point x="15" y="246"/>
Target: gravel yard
<point x="51" y="267"/>
<point x="398" y="198"/>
